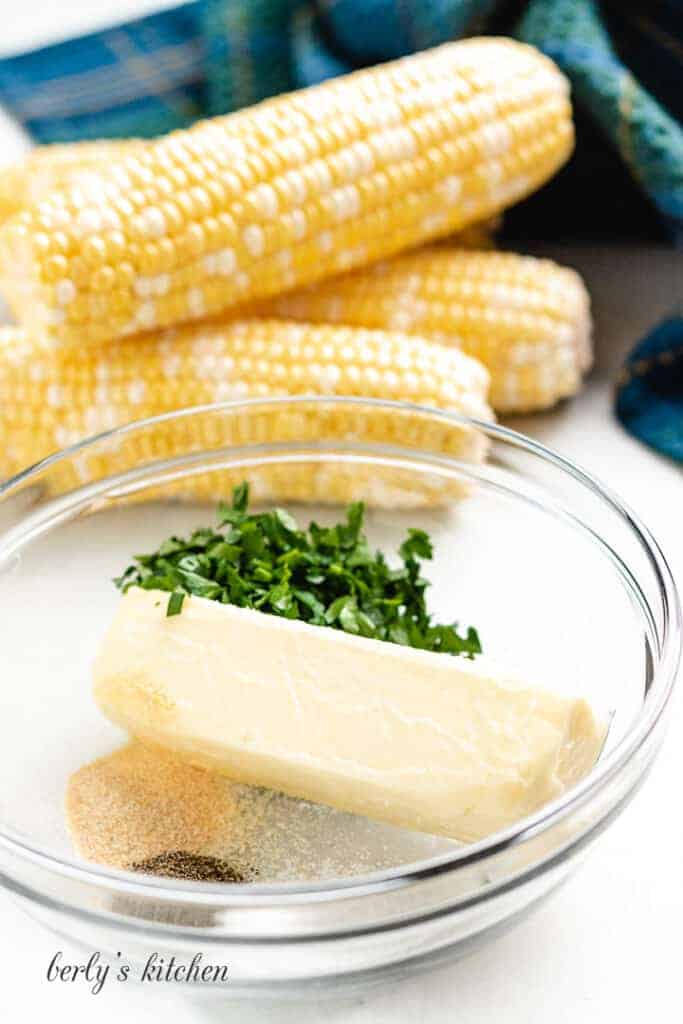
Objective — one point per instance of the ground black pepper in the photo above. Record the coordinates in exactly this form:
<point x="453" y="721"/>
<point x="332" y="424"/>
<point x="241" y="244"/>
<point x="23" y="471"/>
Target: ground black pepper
<point x="195" y="867"/>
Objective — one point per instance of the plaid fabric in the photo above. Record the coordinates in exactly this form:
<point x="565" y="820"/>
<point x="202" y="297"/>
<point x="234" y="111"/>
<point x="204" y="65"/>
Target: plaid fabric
<point x="143" y="78"/>
<point x="368" y="31"/>
<point x="248" y="51"/>
<point x="650" y="388"/>
<point x="648" y="139"/>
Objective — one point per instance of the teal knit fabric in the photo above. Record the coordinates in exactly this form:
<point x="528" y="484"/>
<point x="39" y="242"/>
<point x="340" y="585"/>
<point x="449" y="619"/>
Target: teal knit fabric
<point x="648" y="139"/>
<point x="248" y="51"/>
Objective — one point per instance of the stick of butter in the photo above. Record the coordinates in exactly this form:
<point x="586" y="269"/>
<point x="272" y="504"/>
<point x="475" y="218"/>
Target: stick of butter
<point x="428" y="741"/>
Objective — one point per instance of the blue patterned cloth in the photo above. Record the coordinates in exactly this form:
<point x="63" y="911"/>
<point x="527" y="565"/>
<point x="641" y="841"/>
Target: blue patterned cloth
<point x="650" y="388"/>
<point x="208" y="57"/>
<point x="142" y="78"/>
<point x="647" y="138"/>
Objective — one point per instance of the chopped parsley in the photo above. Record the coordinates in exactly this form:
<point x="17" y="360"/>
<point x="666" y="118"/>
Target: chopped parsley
<point x="324" y="575"/>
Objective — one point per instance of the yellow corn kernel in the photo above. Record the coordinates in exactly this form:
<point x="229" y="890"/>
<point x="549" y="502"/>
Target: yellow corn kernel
<point x="293" y="190"/>
<point x="56" y="166"/>
<point x="52" y="396"/>
<point x="527" y="319"/>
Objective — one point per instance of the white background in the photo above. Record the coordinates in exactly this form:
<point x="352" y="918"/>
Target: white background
<point x="607" y="946"/>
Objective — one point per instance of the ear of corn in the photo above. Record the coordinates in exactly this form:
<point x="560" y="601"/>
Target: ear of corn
<point x="53" y="397"/>
<point x="528" y="320"/>
<point x="57" y="166"/>
<point x="289" y="192"/>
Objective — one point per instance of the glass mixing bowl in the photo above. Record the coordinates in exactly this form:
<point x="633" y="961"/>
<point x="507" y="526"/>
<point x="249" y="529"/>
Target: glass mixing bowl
<point x="566" y="587"/>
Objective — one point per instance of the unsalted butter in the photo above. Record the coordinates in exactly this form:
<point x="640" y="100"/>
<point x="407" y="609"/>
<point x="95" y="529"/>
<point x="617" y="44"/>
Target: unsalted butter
<point x="429" y="741"/>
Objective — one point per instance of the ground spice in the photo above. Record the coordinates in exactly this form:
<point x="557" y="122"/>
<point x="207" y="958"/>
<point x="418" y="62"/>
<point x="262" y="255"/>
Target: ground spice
<point x="144" y="809"/>
<point x="140" y="802"/>
<point x="195" y="867"/>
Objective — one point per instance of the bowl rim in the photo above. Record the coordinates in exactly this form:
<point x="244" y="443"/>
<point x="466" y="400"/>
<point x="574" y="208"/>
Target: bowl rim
<point x="655" y="702"/>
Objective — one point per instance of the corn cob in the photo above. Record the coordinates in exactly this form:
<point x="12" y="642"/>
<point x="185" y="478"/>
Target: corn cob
<point x="48" y="168"/>
<point x="53" y="397"/>
<point x="56" y="166"/>
<point x="289" y="192"/>
<point x="528" y="320"/>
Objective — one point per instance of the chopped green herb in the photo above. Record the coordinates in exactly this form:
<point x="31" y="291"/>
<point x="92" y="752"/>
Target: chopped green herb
<point x="175" y="603"/>
<point x="325" y="575"/>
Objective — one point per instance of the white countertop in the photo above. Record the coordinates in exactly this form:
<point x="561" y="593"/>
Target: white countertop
<point x="606" y="947"/>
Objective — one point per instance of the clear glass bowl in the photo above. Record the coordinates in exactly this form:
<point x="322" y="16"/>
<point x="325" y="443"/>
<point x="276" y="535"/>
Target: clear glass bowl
<point x="565" y="585"/>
